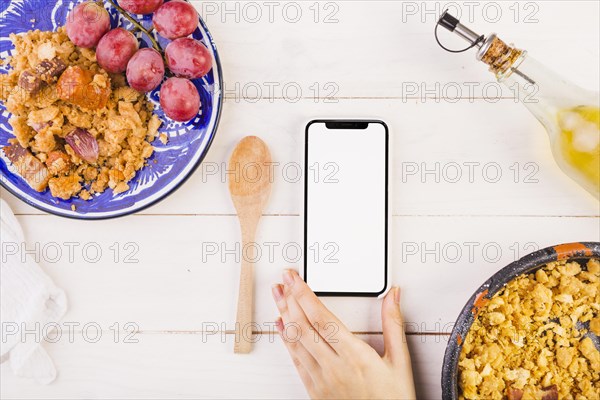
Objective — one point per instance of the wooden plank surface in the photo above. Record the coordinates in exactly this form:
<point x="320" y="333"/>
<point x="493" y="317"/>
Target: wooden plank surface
<point x="192" y="366"/>
<point x="182" y="272"/>
<point x="374" y="48"/>
<point x="454" y="163"/>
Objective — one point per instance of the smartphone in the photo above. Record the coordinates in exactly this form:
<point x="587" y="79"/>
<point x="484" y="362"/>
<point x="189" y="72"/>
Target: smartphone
<point x="346" y="207"/>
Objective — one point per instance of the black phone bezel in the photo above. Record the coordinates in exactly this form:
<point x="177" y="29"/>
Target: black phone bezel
<point x="349" y="124"/>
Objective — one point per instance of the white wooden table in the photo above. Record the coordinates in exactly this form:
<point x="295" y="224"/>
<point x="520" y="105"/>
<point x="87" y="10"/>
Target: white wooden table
<point x="175" y="274"/>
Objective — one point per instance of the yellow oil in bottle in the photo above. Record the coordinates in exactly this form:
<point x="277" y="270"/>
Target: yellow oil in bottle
<point x="574" y="130"/>
<point x="578" y="144"/>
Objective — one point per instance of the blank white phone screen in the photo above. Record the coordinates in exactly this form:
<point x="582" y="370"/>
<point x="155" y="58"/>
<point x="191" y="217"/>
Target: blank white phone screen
<point x="345" y="209"/>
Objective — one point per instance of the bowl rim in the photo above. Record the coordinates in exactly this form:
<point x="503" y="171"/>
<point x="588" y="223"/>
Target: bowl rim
<point x="525" y="265"/>
<point x="133" y="209"/>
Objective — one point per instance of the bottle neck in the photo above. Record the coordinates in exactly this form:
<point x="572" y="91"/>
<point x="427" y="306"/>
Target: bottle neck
<point x="498" y="55"/>
<point x="540" y="89"/>
<point x="535" y="87"/>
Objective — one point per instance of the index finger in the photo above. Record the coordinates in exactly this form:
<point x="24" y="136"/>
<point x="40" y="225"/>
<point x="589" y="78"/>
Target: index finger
<point x="330" y="328"/>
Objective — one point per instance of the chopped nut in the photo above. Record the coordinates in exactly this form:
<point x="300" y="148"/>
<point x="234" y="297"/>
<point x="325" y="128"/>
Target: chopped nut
<point x="28" y="167"/>
<point x="50" y="70"/>
<point x="514" y="393"/>
<point x="30" y="82"/>
<point x="550" y="393"/>
<point x="58" y="162"/>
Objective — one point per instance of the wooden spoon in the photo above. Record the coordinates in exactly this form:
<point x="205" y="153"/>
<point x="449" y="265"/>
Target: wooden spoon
<point x="250" y="187"/>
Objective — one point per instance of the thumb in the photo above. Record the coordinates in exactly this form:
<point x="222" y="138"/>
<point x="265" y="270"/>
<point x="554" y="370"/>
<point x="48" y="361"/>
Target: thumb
<point x="394" y="339"/>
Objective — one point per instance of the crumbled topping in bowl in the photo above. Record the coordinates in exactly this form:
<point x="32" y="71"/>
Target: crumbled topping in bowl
<point x="78" y="130"/>
<point x="532" y="339"/>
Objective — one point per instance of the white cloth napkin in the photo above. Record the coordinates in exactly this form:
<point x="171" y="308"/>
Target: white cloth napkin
<point x="29" y="302"/>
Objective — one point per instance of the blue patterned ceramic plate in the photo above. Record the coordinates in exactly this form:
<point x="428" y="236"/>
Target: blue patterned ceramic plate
<point x="169" y="166"/>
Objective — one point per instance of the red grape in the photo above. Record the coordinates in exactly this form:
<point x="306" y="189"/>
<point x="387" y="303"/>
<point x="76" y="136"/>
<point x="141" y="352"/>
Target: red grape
<point x="140" y="6"/>
<point x="145" y="70"/>
<point x="179" y="99"/>
<point x="87" y="23"/>
<point x="175" y="19"/>
<point x="188" y="58"/>
<point x="115" y="49"/>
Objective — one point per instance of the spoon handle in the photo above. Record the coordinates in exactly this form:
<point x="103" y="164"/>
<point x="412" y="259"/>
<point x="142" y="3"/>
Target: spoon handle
<point x="244" y="323"/>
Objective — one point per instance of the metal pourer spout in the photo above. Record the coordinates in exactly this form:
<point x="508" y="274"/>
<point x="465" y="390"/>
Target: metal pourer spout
<point x="452" y="24"/>
<point x="501" y="58"/>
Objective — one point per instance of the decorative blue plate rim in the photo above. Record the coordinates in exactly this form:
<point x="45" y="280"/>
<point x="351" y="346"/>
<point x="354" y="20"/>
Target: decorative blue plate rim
<point x="168" y="188"/>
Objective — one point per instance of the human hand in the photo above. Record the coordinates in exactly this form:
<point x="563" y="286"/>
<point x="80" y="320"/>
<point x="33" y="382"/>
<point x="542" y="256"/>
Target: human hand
<point x="338" y="365"/>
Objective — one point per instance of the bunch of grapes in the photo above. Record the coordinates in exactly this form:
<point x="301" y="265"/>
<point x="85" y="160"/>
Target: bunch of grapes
<point x="117" y="50"/>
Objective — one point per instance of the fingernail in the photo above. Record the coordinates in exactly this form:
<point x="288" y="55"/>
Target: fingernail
<point x="279" y="324"/>
<point x="288" y="278"/>
<point x="277" y="292"/>
<point x="397" y="295"/>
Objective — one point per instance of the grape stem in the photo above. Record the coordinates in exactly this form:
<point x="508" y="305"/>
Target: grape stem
<point x="138" y="26"/>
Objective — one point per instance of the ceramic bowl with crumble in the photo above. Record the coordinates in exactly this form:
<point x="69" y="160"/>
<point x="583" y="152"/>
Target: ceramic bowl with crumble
<point x="531" y="331"/>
